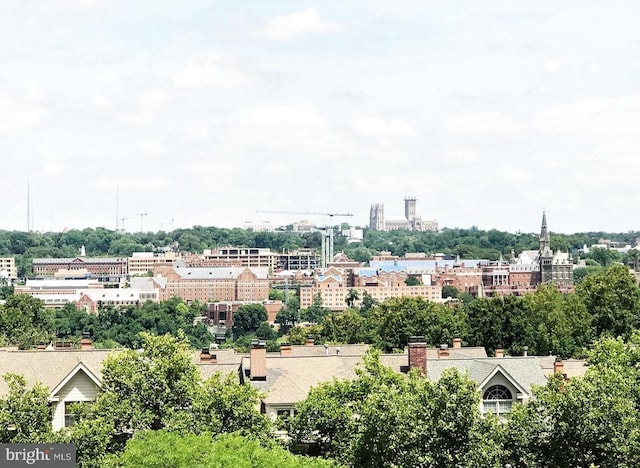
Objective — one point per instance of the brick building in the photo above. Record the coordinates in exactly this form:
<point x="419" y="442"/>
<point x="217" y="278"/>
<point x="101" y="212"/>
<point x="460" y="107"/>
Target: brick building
<point x="333" y="287"/>
<point x="213" y="284"/>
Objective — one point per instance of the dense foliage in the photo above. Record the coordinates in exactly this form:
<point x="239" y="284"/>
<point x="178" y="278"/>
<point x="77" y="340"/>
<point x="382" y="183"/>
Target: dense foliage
<point x="607" y="303"/>
<point x="466" y="243"/>
<point x="382" y="419"/>
<point x="387" y="419"/>
<point x="25" y="322"/>
<point x="160" y="449"/>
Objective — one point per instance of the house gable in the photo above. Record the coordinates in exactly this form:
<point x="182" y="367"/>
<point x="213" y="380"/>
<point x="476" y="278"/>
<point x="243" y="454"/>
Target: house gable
<point x="80" y="385"/>
<point x="499" y="376"/>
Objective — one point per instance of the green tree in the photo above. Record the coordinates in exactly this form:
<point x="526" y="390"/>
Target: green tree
<point x="382" y="419"/>
<point x="632" y="259"/>
<point x="367" y="303"/>
<point x="352" y="298"/>
<point x="392" y="323"/>
<point x="160" y="387"/>
<point x="248" y="318"/>
<point x="266" y="332"/>
<point x="590" y="421"/>
<point x="315" y="312"/>
<point x="449" y="291"/>
<point x="159" y="449"/>
<point x="612" y="298"/>
<point x="345" y="327"/>
<point x="25" y="414"/>
<point x="412" y="281"/>
<point x="24" y="321"/>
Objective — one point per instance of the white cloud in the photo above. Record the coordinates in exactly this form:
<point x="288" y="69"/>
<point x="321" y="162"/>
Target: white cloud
<point x="148" y="105"/>
<point x="212" y="73"/>
<point x="284" y="115"/>
<point x="593" y="69"/>
<point x="593" y="117"/>
<point x="136" y="118"/>
<point x="462" y="156"/>
<point x="18" y="116"/>
<point x="382" y="128"/>
<point x="151" y="148"/>
<point x="553" y="67"/>
<point x="102" y="102"/>
<point x="482" y="122"/>
<point x="154" y="99"/>
<point x="285" y="28"/>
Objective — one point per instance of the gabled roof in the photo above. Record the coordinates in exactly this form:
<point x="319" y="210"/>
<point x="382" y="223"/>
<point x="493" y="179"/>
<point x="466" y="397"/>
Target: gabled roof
<point x="80" y="367"/>
<point x="50" y="368"/>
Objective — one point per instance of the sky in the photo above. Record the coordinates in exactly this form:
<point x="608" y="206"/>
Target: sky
<point x="159" y="114"/>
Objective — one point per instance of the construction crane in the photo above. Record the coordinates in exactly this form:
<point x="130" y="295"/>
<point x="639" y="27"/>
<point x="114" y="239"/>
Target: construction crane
<point x="326" y="254"/>
<point x="122" y="220"/>
<point x="313" y="213"/>
<point x="142" y="215"/>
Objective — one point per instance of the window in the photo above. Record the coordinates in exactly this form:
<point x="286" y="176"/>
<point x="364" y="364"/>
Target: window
<point x="69" y="416"/>
<point x="497" y="399"/>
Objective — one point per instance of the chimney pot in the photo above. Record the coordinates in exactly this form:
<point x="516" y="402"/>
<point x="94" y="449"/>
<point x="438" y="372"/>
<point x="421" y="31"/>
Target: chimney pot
<point x="525" y="350"/>
<point x="258" y="360"/>
<point x="418" y="353"/>
<point x="558" y="366"/>
<point x="205" y="355"/>
<point x="86" y="342"/>
<point x="285" y="349"/>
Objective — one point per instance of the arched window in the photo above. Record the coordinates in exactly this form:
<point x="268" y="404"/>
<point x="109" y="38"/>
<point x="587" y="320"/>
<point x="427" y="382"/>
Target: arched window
<point x="497" y="399"/>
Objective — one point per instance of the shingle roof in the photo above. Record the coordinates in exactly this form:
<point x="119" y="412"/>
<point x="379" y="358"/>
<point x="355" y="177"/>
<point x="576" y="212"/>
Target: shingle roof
<point x="289" y="378"/>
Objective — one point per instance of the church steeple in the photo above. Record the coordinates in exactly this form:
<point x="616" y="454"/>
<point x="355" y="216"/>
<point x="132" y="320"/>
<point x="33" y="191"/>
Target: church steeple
<point x="545" y="241"/>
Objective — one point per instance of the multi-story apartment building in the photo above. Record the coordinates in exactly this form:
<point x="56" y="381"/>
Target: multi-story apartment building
<point x="111" y="269"/>
<point x="142" y="263"/>
<point x="303" y="259"/>
<point x="213" y="284"/>
<point x="243" y="256"/>
<point x="8" y="269"/>
<point x="332" y="287"/>
<point x="56" y="293"/>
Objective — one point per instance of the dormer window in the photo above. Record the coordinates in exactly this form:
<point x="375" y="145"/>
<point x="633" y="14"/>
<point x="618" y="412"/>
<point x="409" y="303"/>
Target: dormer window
<point x="497" y="399"/>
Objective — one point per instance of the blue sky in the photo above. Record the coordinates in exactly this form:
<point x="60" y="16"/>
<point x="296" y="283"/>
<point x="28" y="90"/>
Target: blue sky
<point x="204" y="112"/>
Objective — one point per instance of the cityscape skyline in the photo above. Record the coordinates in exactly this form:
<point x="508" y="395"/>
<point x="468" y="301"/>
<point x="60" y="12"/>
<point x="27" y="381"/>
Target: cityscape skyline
<point x="175" y="114"/>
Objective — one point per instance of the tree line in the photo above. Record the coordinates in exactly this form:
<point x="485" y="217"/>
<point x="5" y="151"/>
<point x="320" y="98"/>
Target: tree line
<point x="26" y="323"/>
<point x="606" y="303"/>
<point x="465" y="243"/>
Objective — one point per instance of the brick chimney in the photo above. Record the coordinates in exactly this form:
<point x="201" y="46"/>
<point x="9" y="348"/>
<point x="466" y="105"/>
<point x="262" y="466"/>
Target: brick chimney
<point x="418" y="353"/>
<point x="86" y="342"/>
<point x="457" y="343"/>
<point x="258" y="360"/>
<point x="285" y="349"/>
<point x="499" y="352"/>
<point x="558" y="366"/>
<point x="310" y="340"/>
<point x="205" y="356"/>
<point x="443" y="351"/>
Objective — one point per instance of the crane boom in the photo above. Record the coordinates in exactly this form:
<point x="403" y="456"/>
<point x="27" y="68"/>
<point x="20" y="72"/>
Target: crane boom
<point x="314" y="213"/>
